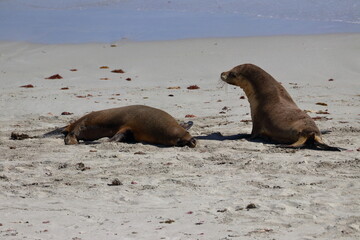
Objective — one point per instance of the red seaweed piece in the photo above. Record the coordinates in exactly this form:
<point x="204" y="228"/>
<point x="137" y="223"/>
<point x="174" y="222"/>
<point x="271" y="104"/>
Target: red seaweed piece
<point x="27" y="86"/>
<point x="66" y="113"/>
<point x="321" y="104"/>
<point x="321" y="118"/>
<point x="192" y="87"/>
<point x="56" y="76"/>
<point x="118" y="71"/>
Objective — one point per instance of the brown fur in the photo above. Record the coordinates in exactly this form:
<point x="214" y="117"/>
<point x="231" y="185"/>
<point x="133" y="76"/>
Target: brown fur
<point x="275" y="115"/>
<point x="137" y="123"/>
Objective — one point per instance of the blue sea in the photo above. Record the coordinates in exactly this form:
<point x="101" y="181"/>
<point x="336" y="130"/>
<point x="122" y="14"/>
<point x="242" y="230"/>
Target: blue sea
<point x="84" y="21"/>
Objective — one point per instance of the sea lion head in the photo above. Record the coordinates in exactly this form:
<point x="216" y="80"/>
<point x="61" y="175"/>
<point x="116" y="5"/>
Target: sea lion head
<point x="241" y="75"/>
<point x="244" y="76"/>
<point x="70" y="139"/>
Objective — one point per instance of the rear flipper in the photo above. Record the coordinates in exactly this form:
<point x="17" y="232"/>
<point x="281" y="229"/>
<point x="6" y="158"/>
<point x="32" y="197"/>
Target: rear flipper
<point x="299" y="144"/>
<point x="323" y="146"/>
<point x="59" y="132"/>
<point x="313" y="142"/>
<point x="187" y="125"/>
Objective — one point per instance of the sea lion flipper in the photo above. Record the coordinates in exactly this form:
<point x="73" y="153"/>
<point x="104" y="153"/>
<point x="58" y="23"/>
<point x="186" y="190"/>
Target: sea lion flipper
<point x="300" y="142"/>
<point x="291" y="146"/>
<point x="187" y="125"/>
<point x="326" y="147"/>
<point x="121" y="135"/>
<point x="118" y="137"/>
<point x="55" y="133"/>
<point x="318" y="142"/>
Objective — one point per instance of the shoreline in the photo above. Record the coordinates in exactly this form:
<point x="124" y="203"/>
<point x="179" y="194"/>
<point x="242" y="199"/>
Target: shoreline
<point x="126" y="40"/>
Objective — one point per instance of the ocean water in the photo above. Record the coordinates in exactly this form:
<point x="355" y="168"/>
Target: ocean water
<point x="82" y="21"/>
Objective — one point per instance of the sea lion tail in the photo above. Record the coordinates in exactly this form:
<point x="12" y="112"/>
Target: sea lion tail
<point x="58" y="132"/>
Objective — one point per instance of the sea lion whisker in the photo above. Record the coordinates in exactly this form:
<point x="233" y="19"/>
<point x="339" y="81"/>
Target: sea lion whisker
<point x="221" y="84"/>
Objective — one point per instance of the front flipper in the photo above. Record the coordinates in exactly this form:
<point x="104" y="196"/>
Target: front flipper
<point x="118" y="137"/>
<point x="121" y="135"/>
<point x="260" y="137"/>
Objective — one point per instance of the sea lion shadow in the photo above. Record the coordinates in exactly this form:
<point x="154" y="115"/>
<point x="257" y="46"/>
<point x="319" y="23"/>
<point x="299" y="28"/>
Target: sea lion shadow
<point x="129" y="142"/>
<point x="88" y="142"/>
<point x="217" y="136"/>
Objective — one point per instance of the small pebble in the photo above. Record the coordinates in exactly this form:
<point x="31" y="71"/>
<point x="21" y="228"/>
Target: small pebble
<point x="251" y="206"/>
<point x="115" y="182"/>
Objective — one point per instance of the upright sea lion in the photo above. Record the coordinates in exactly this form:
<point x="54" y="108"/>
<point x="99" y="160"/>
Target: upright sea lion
<point x="131" y="123"/>
<point x="274" y="114"/>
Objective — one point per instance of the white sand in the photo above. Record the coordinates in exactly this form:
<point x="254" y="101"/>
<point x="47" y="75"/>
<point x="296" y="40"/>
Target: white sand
<point x="178" y="193"/>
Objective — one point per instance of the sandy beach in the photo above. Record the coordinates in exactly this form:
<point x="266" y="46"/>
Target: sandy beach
<point x="225" y="188"/>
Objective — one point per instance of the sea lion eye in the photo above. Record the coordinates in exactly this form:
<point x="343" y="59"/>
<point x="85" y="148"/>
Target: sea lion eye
<point x="231" y="74"/>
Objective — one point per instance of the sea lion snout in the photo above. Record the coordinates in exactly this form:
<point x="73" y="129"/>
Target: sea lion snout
<point x="227" y="76"/>
<point x="224" y="76"/>
<point x="70" y="139"/>
<point x="186" y="140"/>
<point x="192" y="143"/>
<point x="231" y="77"/>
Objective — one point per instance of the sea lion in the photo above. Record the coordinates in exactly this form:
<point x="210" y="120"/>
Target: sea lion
<point x="137" y="123"/>
<point x="275" y="115"/>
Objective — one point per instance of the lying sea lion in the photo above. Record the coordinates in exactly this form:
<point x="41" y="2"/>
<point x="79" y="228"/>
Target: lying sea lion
<point x="137" y="123"/>
<point x="274" y="114"/>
